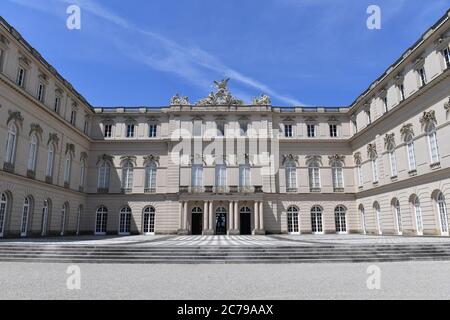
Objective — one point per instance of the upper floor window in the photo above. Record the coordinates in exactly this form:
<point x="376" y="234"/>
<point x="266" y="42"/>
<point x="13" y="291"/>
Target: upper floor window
<point x="198" y="126"/>
<point x="50" y="161"/>
<point x="401" y="88"/>
<point x="446" y="53"/>
<point x="32" y="153"/>
<point x="11" y="144"/>
<point x="392" y="160"/>
<point x="288" y="131"/>
<point x="57" y="103"/>
<point x="86" y="126"/>
<point x="220" y="129"/>
<point x="333" y="131"/>
<point x="2" y="58"/>
<point x="152" y="130"/>
<point x="432" y="143"/>
<point x="67" y="169"/>
<point x="369" y="117"/>
<point x="107" y="130"/>
<point x="41" y="92"/>
<point x="291" y="175"/>
<point x="422" y="76"/>
<point x="355" y="125"/>
<point x="82" y="174"/>
<point x="104" y="175"/>
<point x="409" y="140"/>
<point x="375" y="169"/>
<point x="244" y="175"/>
<point x="127" y="176"/>
<point x="150" y="177"/>
<point x="244" y="128"/>
<point x="130" y="130"/>
<point x="314" y="174"/>
<point x="197" y="175"/>
<point x="73" y="117"/>
<point x="311" y="130"/>
<point x="385" y="104"/>
<point x="221" y="175"/>
<point x="338" y="175"/>
<point x="21" y="76"/>
<point x="360" y="174"/>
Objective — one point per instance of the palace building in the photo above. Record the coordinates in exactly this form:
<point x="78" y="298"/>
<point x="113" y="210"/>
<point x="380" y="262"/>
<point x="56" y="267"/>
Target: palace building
<point x="219" y="166"/>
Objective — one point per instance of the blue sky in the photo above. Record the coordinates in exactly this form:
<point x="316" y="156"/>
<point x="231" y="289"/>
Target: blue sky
<point x="300" y="52"/>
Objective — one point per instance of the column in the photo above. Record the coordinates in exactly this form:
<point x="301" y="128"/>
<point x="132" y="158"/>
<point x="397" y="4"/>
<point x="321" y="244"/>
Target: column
<point x="180" y="225"/>
<point x="256" y="216"/>
<point x="231" y="215"/>
<point x="211" y="216"/>
<point x="185" y="216"/>
<point x="205" y="216"/>
<point x="261" y="216"/>
<point x="236" y="216"/>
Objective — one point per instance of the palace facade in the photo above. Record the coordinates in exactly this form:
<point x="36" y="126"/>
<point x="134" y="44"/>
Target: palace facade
<point x="219" y="166"/>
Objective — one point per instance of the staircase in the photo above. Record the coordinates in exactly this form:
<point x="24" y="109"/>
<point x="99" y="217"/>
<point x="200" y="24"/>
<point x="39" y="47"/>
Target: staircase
<point x="222" y="254"/>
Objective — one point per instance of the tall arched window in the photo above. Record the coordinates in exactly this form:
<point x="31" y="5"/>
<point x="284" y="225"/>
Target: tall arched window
<point x="11" y="143"/>
<point x="375" y="176"/>
<point x="221" y="176"/>
<point x="125" y="221"/>
<point x="103" y="175"/>
<point x="362" y="216"/>
<point x="418" y="215"/>
<point x="291" y="175"/>
<point x="338" y="176"/>
<point x="45" y="217"/>
<point x="27" y="205"/>
<point x="3" y="210"/>
<point x="432" y="143"/>
<point x="409" y="140"/>
<point x="82" y="173"/>
<point x="359" y="173"/>
<point x="392" y="159"/>
<point x="64" y="213"/>
<point x="127" y="176"/>
<point x="443" y="216"/>
<point x="398" y="216"/>
<point x="68" y="169"/>
<point x="150" y="177"/>
<point x="314" y="175"/>
<point x="340" y="219"/>
<point x="149" y="220"/>
<point x="377" y="210"/>
<point x="101" y="219"/>
<point x="292" y="220"/>
<point x="79" y="213"/>
<point x="50" y="161"/>
<point x="32" y="155"/>
<point x="316" y="219"/>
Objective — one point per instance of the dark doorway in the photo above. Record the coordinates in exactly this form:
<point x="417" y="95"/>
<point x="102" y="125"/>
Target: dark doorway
<point x="221" y="221"/>
<point x="246" y="228"/>
<point x="197" y="221"/>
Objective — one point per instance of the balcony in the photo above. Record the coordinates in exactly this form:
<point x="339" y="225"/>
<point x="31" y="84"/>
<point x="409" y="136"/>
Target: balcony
<point x="314" y="189"/>
<point x="246" y="189"/>
<point x="220" y="189"/>
<point x="9" y="167"/>
<point x="150" y="190"/>
<point x="291" y="190"/>
<point x="102" y="190"/>
<point x="127" y="190"/>
<point x="338" y="189"/>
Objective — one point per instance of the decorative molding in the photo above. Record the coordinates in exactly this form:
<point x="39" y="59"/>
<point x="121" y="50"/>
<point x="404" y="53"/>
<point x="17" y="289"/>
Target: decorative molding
<point x="399" y="79"/>
<point x="83" y="156"/>
<point x="36" y="128"/>
<point x="333" y="119"/>
<point x="442" y="42"/>
<point x="105" y="157"/>
<point x="406" y="130"/>
<point x="178" y="100"/>
<point x="428" y="117"/>
<point x="25" y="62"/>
<point x="151" y="158"/>
<point x="383" y="93"/>
<point x="419" y="62"/>
<point x="372" y="151"/>
<point x="262" y="100"/>
<point x="70" y="148"/>
<point x="289" y="157"/>
<point x="389" y="140"/>
<point x="313" y="158"/>
<point x="53" y="138"/>
<point x="222" y="96"/>
<point x="336" y="157"/>
<point x="131" y="159"/>
<point x="357" y="157"/>
<point x="15" y="116"/>
<point x="447" y="106"/>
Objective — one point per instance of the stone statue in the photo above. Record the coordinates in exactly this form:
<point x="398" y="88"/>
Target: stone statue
<point x="178" y="100"/>
<point x="222" y="97"/>
<point x="262" y="100"/>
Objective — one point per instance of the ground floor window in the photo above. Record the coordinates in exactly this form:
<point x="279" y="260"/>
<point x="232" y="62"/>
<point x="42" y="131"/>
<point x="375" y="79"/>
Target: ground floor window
<point x="3" y="207"/>
<point x="100" y="220"/>
<point x="149" y="220"/>
<point x="292" y="220"/>
<point x="125" y="221"/>
<point x="316" y="220"/>
<point x="340" y="219"/>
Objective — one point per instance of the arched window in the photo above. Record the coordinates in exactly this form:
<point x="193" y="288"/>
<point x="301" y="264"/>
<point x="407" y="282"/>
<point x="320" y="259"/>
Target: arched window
<point x="362" y="216"/>
<point x="244" y="176"/>
<point x="409" y="140"/>
<point x="316" y="219"/>
<point x="3" y="210"/>
<point x="443" y="217"/>
<point x="418" y="215"/>
<point x="340" y="219"/>
<point x="26" y="210"/>
<point x="150" y="177"/>
<point x="374" y="161"/>
<point x="127" y="176"/>
<point x="101" y="218"/>
<point x="45" y="217"/>
<point x="11" y="143"/>
<point x="398" y="216"/>
<point x="292" y="220"/>
<point x="68" y="169"/>
<point x="103" y="175"/>
<point x="360" y="174"/>
<point x="291" y="175"/>
<point x="32" y="155"/>
<point x="432" y="143"/>
<point x="377" y="210"/>
<point x="314" y="175"/>
<point x="337" y="173"/>
<point x="149" y="220"/>
<point x="50" y="160"/>
<point x="82" y="173"/>
<point x="221" y="176"/>
<point x="64" y="212"/>
<point x="125" y="221"/>
<point x="392" y="159"/>
<point x="79" y="213"/>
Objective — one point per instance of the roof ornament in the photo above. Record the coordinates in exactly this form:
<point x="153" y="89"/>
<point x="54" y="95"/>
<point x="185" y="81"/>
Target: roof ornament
<point x="222" y="96"/>
<point x="178" y="100"/>
<point x="262" y="100"/>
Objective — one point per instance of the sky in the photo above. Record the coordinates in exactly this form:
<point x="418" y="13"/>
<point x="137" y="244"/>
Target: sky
<point x="299" y="52"/>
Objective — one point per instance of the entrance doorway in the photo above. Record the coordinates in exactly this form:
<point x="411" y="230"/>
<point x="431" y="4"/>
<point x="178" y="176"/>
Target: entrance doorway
<point x="197" y="221"/>
<point x="245" y="218"/>
<point x="221" y="221"/>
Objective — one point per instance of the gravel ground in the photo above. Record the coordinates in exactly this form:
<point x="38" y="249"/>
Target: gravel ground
<point x="400" y="280"/>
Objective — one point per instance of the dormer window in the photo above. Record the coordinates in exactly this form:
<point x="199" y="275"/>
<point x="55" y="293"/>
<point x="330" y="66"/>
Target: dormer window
<point x="288" y="132"/>
<point x="130" y="130"/>
<point x="446" y="54"/>
<point x="152" y="130"/>
<point x="21" y="75"/>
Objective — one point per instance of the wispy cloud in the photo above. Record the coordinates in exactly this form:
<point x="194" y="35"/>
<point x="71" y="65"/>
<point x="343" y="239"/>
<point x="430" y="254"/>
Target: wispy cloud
<point x="161" y="53"/>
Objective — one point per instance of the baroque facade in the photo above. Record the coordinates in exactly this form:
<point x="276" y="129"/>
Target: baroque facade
<point x="218" y="166"/>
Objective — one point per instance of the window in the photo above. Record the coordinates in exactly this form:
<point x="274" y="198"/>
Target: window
<point x="2" y="58"/>
<point x="3" y="208"/>
<point x="32" y="153"/>
<point x="79" y="213"/>
<point x="108" y="131"/>
<point x="398" y="216"/>
<point x="311" y="130"/>
<point x="25" y="214"/>
<point x="50" y="160"/>
<point x="385" y="104"/>
<point x="360" y="175"/>
<point x="64" y="212"/>
<point x="82" y="173"/>
<point x="149" y="220"/>
<point x="362" y="215"/>
<point x="432" y="143"/>
<point x="375" y="170"/>
<point x="244" y="128"/>
<point x="369" y="117"/>
<point x="314" y="175"/>
<point x="401" y="88"/>
<point x="446" y="54"/>
<point x="101" y="218"/>
<point x="244" y="176"/>
<point x="198" y="125"/>
<point x="125" y="221"/>
<point x="376" y="208"/>
<point x="41" y="92"/>
<point x="291" y="176"/>
<point x="57" y="104"/>
<point x="418" y="214"/>
<point x="221" y="176"/>
<point x="130" y="130"/>
<point x="67" y="169"/>
<point x="11" y="144"/>
<point x="288" y="130"/>
<point x="411" y="153"/>
<point x="44" y="221"/>
<point x="197" y="176"/>
<point x="333" y="131"/>
<point x="292" y="220"/>
<point x="86" y="127"/>
<point x="316" y="220"/>
<point x="338" y="176"/>
<point x="21" y="75"/>
<point x="443" y="216"/>
<point x="73" y="117"/>
<point x="127" y="176"/>
<point x="392" y="160"/>
<point x="220" y="129"/>
<point x="355" y="125"/>
<point x="339" y="218"/>
<point x="422" y="76"/>
<point x="103" y="176"/>
<point x="152" y="130"/>
<point x="150" y="177"/>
